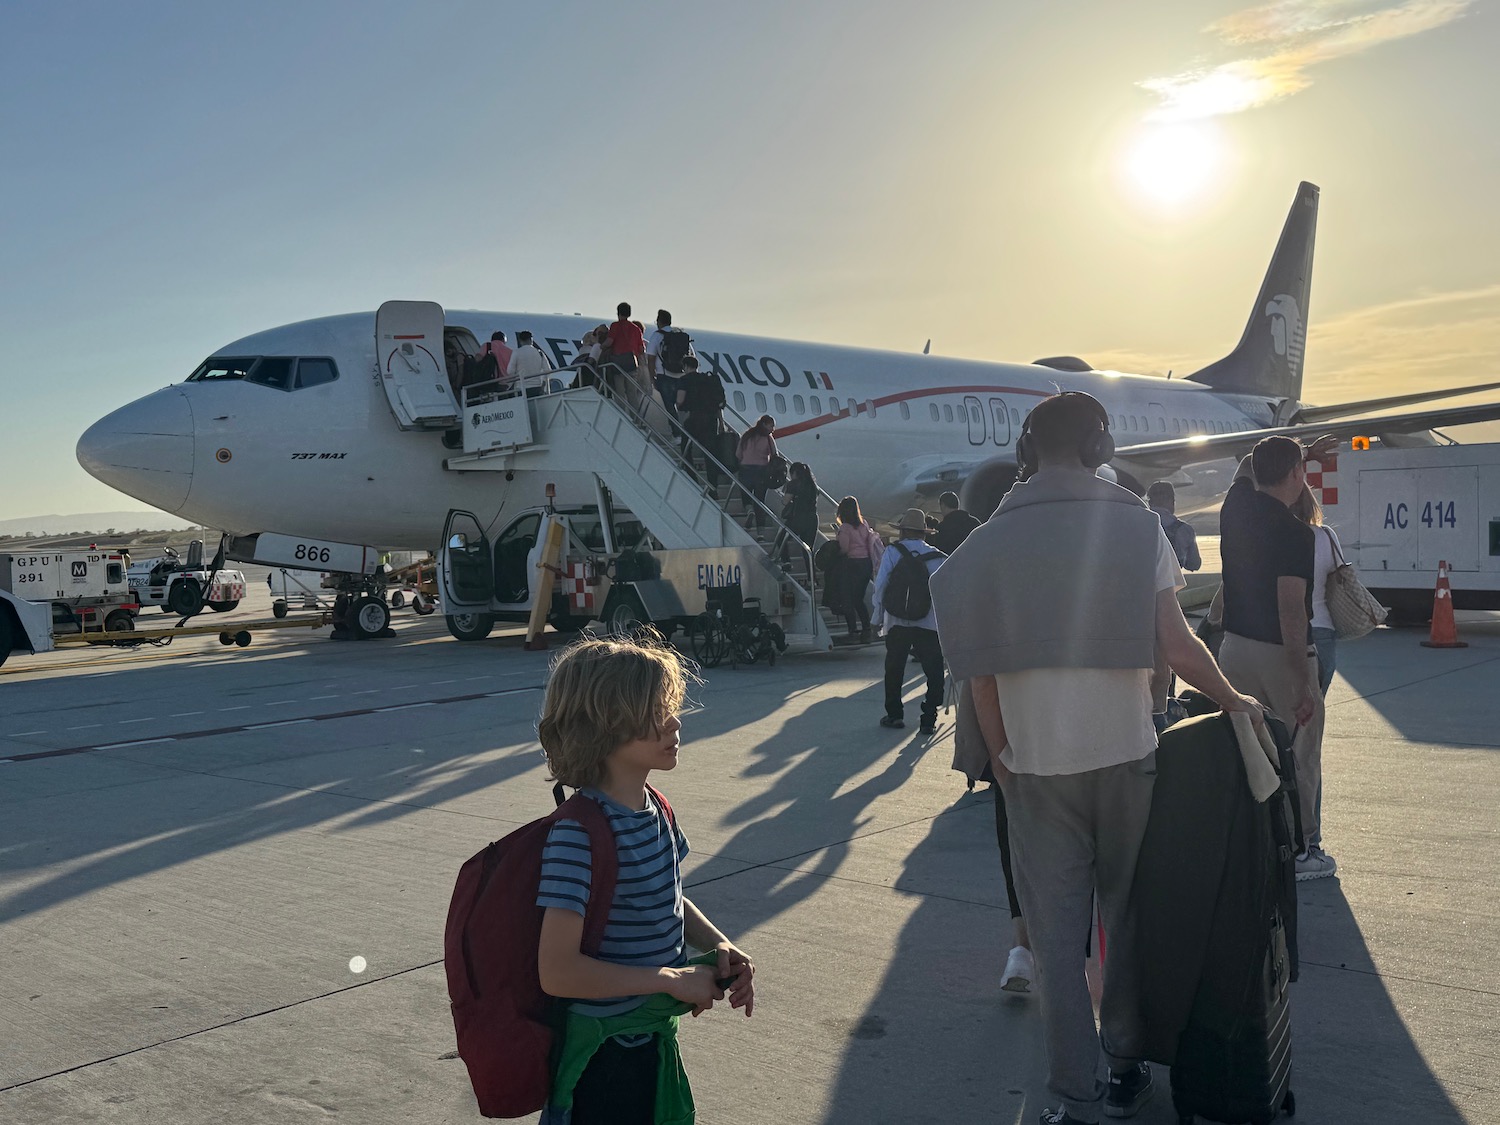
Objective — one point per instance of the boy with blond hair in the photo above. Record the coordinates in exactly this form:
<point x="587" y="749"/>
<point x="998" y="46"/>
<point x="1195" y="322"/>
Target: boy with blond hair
<point x="610" y="717"/>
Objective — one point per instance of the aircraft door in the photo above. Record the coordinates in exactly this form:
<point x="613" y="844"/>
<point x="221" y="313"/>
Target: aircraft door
<point x="974" y="411"/>
<point x="464" y="569"/>
<point x="1001" y="419"/>
<point x="409" y="352"/>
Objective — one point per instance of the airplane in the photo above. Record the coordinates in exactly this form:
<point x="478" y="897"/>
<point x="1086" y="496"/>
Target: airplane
<point x="310" y="430"/>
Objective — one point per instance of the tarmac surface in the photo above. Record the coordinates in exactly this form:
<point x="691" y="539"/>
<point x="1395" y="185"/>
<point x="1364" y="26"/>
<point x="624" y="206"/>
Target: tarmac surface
<point x="224" y="875"/>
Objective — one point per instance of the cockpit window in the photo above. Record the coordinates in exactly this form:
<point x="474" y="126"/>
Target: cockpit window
<point x="222" y="367"/>
<point x="285" y="373"/>
<point x="273" y="371"/>
<point x="315" y="372"/>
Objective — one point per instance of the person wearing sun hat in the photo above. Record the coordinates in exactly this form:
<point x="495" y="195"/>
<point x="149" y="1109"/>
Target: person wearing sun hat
<point x="905" y="589"/>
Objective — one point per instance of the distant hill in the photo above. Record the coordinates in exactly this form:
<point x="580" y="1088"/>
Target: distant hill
<point x="90" y="523"/>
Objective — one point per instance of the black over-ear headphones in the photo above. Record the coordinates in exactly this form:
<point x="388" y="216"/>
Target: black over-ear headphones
<point x="1095" y="449"/>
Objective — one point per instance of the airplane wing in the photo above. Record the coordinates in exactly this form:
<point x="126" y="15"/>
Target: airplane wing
<point x="1188" y="451"/>
<point x="1345" y="409"/>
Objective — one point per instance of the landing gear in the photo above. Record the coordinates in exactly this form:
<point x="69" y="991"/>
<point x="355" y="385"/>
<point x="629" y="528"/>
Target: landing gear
<point x="359" y="609"/>
<point x="470" y="626"/>
<point x="367" y="617"/>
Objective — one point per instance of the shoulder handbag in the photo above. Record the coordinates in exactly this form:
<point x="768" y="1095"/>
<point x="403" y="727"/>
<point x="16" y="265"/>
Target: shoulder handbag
<point x="1354" y="609"/>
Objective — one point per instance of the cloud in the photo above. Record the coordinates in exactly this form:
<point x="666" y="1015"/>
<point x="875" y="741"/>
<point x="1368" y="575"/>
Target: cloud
<point x="1295" y="35"/>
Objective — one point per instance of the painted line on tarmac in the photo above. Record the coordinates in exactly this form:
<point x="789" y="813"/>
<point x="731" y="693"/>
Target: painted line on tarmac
<point x="196" y="734"/>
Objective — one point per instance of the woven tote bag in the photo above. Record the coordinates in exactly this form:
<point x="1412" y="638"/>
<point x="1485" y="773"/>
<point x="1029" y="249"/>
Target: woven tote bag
<point x="1354" y="609"/>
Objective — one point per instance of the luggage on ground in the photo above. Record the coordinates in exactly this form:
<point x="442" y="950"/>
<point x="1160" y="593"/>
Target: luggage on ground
<point x="1215" y="905"/>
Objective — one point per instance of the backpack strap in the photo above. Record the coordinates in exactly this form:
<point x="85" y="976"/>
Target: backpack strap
<point x="604" y="863"/>
<point x="905" y="554"/>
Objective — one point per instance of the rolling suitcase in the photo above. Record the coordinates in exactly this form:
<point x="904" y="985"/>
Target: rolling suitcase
<point x="1216" y="907"/>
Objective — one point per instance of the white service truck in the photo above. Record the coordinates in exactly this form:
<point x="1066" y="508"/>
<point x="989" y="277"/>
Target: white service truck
<point x="612" y="571"/>
<point x="1400" y="512"/>
<point x="48" y="593"/>
<point x="185" y="586"/>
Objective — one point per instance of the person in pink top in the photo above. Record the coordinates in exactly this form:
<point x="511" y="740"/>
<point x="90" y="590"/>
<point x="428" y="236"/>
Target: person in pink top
<point x="859" y="546"/>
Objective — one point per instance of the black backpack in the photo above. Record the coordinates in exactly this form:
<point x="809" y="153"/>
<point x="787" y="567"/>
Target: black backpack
<point x="675" y="344"/>
<point x="485" y="369"/>
<point x="705" y="394"/>
<point x="907" y="594"/>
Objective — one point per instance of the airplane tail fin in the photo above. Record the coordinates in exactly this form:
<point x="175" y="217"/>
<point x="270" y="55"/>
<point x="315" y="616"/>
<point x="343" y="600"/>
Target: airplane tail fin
<point x="1268" y="359"/>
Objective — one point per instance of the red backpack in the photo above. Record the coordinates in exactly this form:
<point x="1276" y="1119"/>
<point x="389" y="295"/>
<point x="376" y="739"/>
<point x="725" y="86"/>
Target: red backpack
<point x="505" y="1022"/>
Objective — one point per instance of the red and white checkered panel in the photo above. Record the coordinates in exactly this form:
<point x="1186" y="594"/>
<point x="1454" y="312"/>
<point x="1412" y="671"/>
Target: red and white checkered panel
<point x="575" y="586"/>
<point x="1322" y="478"/>
<point x="226" y="591"/>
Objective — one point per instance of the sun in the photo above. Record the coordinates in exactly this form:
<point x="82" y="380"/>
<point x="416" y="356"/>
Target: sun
<point x="1171" y="164"/>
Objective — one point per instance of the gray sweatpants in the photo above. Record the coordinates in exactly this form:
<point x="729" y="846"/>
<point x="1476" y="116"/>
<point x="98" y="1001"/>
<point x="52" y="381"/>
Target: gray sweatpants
<point x="1070" y="836"/>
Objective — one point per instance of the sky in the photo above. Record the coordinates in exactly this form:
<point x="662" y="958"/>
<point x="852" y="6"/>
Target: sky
<point x="1008" y="180"/>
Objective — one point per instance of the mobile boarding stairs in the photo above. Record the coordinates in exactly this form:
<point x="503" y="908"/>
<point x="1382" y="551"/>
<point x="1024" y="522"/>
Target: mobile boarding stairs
<point x="650" y="464"/>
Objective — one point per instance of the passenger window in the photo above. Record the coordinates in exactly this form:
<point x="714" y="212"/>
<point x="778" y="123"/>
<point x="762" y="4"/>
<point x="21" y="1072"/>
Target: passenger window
<point x="222" y="367"/>
<point x="739" y="400"/>
<point x="870" y="408"/>
<point x="974" y="415"/>
<point x="1111" y="421"/>
<point x="799" y="404"/>
<point x="760" y="402"/>
<point x="1015" y="416"/>
<point x="315" y="372"/>
<point x="273" y="371"/>
<point x="817" y="404"/>
<point x="932" y="406"/>
<point x="781" y="404"/>
<point x="1176" y="429"/>
<point x="947" y="413"/>
<point x="905" y="412"/>
<point x="1161" y="423"/>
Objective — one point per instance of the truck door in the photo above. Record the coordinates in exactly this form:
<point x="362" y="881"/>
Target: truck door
<point x="515" y="558"/>
<point x="464" y="570"/>
<point x="1446" y="506"/>
<point x="1001" y="419"/>
<point x="975" y="414"/>
<point x="410" y="357"/>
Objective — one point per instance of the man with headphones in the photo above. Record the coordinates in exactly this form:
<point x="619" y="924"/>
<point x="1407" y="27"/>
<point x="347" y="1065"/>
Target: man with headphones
<point x="1054" y="611"/>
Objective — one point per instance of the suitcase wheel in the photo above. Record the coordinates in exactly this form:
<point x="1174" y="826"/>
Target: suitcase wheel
<point x="1289" y="1104"/>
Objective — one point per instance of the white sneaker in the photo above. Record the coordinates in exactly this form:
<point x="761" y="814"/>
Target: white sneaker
<point x="1315" y="864"/>
<point x="1020" y="970"/>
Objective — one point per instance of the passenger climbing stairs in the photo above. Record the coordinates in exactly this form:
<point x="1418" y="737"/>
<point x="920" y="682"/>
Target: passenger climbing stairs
<point x="653" y="467"/>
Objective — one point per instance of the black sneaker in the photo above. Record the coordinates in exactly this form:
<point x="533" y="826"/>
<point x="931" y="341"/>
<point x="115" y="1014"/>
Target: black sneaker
<point x="887" y="721"/>
<point x="1128" y="1091"/>
<point x="1059" y="1116"/>
<point x="929" y="726"/>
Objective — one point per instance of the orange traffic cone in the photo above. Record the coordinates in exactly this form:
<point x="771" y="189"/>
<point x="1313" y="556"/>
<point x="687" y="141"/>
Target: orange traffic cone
<point x="1444" y="631"/>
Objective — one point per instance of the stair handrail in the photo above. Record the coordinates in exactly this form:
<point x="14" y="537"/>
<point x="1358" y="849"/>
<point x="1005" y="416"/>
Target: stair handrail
<point x="786" y="537"/>
<point x="826" y="495"/>
<point x="542" y="385"/>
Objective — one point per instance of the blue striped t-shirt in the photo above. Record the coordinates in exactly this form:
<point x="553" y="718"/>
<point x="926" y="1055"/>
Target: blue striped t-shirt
<point x="645" y="919"/>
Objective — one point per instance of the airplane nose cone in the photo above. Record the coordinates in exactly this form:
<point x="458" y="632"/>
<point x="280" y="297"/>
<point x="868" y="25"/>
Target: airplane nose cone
<point x="144" y="449"/>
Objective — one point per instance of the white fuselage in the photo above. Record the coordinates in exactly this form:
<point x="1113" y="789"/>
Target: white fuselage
<point x="329" y="461"/>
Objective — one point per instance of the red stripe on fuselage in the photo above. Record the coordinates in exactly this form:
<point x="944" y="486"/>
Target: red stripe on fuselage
<point x="907" y="396"/>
